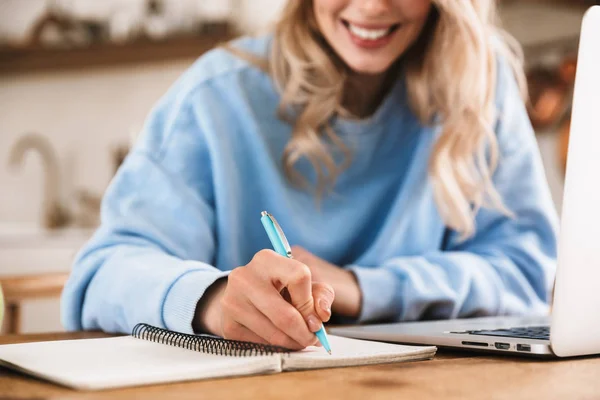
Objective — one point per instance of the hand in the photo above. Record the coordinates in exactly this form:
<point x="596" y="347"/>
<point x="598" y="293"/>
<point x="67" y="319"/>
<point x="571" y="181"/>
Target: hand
<point x="348" y="296"/>
<point x="249" y="305"/>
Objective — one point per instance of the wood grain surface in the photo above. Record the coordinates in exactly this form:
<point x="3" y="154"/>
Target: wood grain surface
<point x="451" y="375"/>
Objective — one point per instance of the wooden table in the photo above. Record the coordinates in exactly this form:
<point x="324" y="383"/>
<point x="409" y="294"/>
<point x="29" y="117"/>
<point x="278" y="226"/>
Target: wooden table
<point x="450" y="375"/>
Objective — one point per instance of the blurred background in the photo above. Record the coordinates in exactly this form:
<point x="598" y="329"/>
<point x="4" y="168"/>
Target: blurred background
<point x="78" y="77"/>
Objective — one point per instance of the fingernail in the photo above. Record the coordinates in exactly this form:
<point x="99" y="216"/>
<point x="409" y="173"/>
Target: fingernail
<point x="313" y="323"/>
<point x="324" y="305"/>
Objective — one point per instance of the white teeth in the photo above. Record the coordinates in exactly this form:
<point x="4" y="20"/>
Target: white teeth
<point x="368" y="34"/>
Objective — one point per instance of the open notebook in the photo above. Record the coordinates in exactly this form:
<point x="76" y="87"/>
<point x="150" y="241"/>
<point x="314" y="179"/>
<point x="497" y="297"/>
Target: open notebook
<point x="152" y="356"/>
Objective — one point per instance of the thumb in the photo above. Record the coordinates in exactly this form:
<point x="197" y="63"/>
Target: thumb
<point x="298" y="281"/>
<point x="307" y="309"/>
<point x="323" y="296"/>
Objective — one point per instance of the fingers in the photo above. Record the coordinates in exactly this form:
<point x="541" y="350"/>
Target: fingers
<point x="253" y="308"/>
<point x="283" y="315"/>
<point x="294" y="276"/>
<point x="245" y="319"/>
<point x="235" y="331"/>
<point x="323" y="296"/>
<point x="256" y="303"/>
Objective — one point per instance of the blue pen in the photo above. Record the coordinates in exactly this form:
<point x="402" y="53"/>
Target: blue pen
<point x="282" y="247"/>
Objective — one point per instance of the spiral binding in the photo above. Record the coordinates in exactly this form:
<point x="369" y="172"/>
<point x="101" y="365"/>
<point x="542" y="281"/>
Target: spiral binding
<point x="204" y="343"/>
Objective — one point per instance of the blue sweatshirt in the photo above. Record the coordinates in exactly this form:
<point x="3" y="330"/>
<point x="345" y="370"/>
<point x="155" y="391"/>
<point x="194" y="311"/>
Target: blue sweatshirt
<point x="184" y="209"/>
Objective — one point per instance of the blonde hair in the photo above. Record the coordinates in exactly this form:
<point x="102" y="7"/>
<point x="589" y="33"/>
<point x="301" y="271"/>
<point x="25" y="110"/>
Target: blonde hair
<point x="450" y="77"/>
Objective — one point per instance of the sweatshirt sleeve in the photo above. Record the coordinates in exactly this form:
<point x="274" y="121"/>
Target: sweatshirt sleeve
<point x="506" y="268"/>
<point x="150" y="260"/>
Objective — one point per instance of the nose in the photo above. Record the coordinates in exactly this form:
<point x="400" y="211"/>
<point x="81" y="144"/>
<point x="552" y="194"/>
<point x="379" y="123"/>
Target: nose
<point x="375" y="8"/>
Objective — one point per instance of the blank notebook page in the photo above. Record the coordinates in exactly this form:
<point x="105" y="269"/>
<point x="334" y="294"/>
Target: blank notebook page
<point x="348" y="352"/>
<point x="126" y="361"/>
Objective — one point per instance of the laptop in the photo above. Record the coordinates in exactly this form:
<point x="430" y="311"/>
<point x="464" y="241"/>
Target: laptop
<point x="573" y="329"/>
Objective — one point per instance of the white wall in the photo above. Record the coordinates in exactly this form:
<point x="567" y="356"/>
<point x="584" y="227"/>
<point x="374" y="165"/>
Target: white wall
<point x="258" y="14"/>
<point x="84" y="114"/>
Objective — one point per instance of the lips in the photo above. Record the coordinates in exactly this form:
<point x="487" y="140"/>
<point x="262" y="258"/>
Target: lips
<point x="370" y="37"/>
<point x="370" y="32"/>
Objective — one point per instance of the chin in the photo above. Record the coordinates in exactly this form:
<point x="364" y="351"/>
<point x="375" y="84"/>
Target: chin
<point x="369" y="68"/>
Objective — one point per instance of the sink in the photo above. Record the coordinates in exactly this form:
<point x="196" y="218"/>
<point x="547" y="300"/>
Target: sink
<point x="31" y="250"/>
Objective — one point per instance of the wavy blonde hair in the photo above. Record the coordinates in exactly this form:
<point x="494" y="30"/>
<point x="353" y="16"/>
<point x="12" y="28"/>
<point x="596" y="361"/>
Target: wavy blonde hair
<point x="450" y="75"/>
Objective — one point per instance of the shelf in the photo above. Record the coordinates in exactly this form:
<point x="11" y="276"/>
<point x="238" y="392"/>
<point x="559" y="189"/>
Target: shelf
<point x="42" y="59"/>
<point x="561" y="20"/>
<point x="539" y="27"/>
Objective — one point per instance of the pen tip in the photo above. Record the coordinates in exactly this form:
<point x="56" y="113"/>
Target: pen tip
<point x="329" y="351"/>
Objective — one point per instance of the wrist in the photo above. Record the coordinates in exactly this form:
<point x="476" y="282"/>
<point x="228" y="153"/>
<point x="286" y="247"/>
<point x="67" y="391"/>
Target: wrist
<point x="348" y="297"/>
<point x="207" y="318"/>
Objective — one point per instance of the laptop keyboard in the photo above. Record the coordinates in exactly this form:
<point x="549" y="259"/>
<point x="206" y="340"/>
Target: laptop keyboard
<point x="529" y="332"/>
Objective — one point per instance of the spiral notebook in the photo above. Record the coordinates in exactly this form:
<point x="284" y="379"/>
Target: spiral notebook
<point x="155" y="356"/>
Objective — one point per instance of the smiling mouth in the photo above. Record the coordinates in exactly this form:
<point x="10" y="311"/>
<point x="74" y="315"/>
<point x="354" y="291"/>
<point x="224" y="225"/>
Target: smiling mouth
<point x="373" y="34"/>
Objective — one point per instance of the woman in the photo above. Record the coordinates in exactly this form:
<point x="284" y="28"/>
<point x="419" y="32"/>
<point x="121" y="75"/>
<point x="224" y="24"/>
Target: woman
<point x="390" y="140"/>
